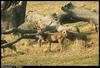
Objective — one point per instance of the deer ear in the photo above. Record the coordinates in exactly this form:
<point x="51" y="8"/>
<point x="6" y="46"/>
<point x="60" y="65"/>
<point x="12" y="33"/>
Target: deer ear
<point x="64" y="31"/>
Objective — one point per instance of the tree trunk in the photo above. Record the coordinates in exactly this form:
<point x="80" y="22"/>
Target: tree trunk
<point x="12" y="14"/>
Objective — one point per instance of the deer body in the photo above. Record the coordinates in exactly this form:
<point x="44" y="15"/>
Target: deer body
<point x="52" y="37"/>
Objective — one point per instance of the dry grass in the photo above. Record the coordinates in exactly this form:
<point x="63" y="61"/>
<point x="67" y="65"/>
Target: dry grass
<point x="49" y="7"/>
<point x="73" y="55"/>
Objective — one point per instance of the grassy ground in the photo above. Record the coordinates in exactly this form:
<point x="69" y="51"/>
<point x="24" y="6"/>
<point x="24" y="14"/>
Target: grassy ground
<point x="49" y="7"/>
<point x="73" y="55"/>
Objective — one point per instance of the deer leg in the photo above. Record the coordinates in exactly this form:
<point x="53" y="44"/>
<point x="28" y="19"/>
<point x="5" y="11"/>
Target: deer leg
<point x="49" y="43"/>
<point x="39" y="41"/>
<point x="61" y="45"/>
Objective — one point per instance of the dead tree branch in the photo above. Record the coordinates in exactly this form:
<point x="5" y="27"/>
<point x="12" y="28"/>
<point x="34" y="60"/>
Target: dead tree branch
<point x="26" y="36"/>
<point x="16" y="30"/>
<point x="11" y="43"/>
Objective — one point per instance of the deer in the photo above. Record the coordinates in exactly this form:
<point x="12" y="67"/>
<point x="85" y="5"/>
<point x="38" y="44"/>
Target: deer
<point x="80" y="37"/>
<point x="52" y="37"/>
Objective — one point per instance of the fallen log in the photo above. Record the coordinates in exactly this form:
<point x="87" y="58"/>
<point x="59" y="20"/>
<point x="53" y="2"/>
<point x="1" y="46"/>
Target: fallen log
<point x="26" y="36"/>
<point x="16" y="30"/>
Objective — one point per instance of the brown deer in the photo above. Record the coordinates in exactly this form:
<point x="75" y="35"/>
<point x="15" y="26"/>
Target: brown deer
<point x="52" y="37"/>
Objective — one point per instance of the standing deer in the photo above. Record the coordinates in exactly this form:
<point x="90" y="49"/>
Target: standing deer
<point x="52" y="37"/>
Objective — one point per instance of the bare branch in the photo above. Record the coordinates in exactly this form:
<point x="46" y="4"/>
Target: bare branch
<point x="16" y="30"/>
<point x="11" y="43"/>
